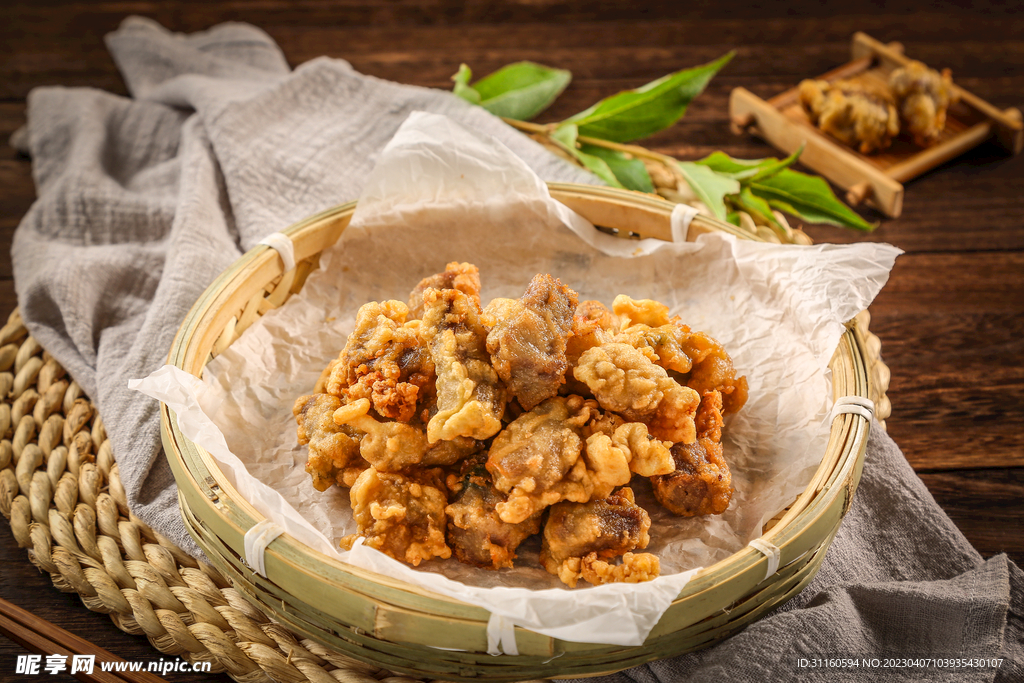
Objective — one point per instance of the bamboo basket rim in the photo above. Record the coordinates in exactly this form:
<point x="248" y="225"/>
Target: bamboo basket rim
<point x="844" y="451"/>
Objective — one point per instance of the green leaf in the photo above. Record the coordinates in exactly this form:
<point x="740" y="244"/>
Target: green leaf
<point x="775" y="167"/>
<point x="635" y="114"/>
<point x="733" y="217"/>
<point x="565" y="136"/>
<point x="599" y="167"/>
<point x="462" y="88"/>
<point x="723" y="164"/>
<point x="711" y="187"/>
<point x="630" y="172"/>
<point x="521" y="90"/>
<point x="744" y="169"/>
<point x="809" y="198"/>
<point x="756" y="207"/>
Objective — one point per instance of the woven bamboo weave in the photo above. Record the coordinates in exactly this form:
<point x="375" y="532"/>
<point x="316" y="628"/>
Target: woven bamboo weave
<point x="61" y="491"/>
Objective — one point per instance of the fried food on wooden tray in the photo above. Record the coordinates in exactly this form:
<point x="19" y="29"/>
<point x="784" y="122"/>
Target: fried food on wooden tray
<point x="923" y="96"/>
<point x="866" y="116"/>
<point x="863" y="118"/>
<point x="466" y="430"/>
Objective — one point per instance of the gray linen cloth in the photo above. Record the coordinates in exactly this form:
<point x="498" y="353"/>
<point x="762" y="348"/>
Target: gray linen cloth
<point x="144" y="201"/>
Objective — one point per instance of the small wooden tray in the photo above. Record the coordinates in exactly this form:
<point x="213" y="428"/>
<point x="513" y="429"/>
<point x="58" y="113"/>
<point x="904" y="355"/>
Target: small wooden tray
<point x="876" y="178"/>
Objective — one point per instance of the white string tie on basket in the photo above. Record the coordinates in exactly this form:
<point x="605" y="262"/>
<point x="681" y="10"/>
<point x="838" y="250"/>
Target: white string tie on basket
<point x="682" y="216"/>
<point x="501" y="636"/>
<point x="281" y="243"/>
<point x="772" y="552"/>
<point x="858" y="405"/>
<point x="257" y="538"/>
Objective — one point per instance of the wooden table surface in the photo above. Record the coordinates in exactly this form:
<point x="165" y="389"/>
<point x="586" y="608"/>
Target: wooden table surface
<point x="950" y="318"/>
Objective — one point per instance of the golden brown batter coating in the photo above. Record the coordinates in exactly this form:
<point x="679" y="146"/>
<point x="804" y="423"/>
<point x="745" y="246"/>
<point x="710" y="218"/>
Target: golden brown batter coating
<point x="632" y="311"/>
<point x="384" y="361"/>
<point x="923" y="97"/>
<point x="606" y="528"/>
<point x="528" y="341"/>
<point x="635" y="568"/>
<point x="398" y="446"/>
<point x="464" y="277"/>
<point x="630" y="441"/>
<point x="702" y="482"/>
<point x="662" y="344"/>
<point x="862" y="118"/>
<point x="475" y="531"/>
<point x="536" y="459"/>
<point x="713" y="370"/>
<point x="597" y="313"/>
<point x="626" y="381"/>
<point x="387" y="446"/>
<point x="407" y="397"/>
<point x="333" y="449"/>
<point x="470" y="397"/>
<point x="402" y="515"/>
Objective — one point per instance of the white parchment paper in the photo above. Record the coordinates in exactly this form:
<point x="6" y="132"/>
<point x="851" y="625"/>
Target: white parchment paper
<point x="442" y="193"/>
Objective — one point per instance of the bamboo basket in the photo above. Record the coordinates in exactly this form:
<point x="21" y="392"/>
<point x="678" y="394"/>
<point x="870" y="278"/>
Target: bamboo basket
<point x="406" y="629"/>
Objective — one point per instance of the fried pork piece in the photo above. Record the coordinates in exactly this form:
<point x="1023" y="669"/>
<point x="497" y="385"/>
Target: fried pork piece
<point x="333" y="449"/>
<point x="397" y="446"/>
<point x="464" y="277"/>
<point x="528" y="341"/>
<point x="384" y="361"/>
<point x="475" y="531"/>
<point x="645" y="455"/>
<point x="402" y="515"/>
<point x="536" y="459"/>
<point x="713" y="371"/>
<point x="580" y="534"/>
<point x="470" y="397"/>
<point x="923" y="96"/>
<point x="701" y="483"/>
<point x="851" y="113"/>
<point x="626" y="381"/>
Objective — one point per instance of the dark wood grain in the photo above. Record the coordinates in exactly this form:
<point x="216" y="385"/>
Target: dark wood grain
<point x="951" y="318"/>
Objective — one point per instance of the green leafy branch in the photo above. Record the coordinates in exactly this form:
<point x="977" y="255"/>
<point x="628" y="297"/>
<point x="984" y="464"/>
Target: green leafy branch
<point x="747" y="193"/>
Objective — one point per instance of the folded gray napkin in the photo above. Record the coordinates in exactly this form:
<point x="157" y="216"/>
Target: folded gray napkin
<point x="144" y="201"/>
